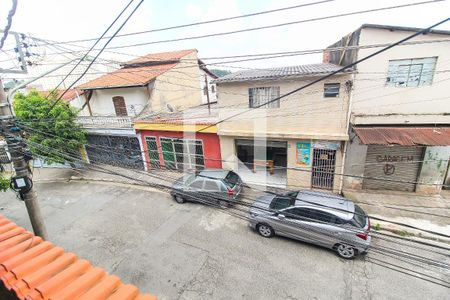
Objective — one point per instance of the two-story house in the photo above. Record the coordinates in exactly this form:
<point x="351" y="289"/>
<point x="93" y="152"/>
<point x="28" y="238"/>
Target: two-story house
<point x="149" y="85"/>
<point x="296" y="141"/>
<point x="400" y="109"/>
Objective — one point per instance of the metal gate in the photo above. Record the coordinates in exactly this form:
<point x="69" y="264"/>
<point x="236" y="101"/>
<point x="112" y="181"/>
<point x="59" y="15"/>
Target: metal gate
<point x="323" y="167"/>
<point x="120" y="151"/>
<point x="397" y="167"/>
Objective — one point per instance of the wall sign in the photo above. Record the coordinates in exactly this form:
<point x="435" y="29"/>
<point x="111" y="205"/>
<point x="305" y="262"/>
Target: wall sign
<point x="303" y="153"/>
<point x="325" y="145"/>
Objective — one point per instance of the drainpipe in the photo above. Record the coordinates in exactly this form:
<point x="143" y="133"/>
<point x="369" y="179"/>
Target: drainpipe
<point x="347" y="129"/>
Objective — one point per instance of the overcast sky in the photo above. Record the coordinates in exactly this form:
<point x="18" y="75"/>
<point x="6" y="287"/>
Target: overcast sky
<point x="76" y="19"/>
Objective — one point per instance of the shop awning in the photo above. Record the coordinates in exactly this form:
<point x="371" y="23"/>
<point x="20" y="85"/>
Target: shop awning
<point x="405" y="136"/>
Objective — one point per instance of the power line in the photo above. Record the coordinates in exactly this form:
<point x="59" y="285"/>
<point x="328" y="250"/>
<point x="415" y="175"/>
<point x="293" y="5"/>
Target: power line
<point x="9" y="22"/>
<point x="90" y="49"/>
<point x="205" y="22"/>
<point x="275" y="25"/>
<point x="342" y="69"/>
<point x="98" y="54"/>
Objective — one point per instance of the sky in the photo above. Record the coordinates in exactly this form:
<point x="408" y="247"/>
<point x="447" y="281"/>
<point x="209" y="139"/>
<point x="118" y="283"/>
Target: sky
<point x="64" y="20"/>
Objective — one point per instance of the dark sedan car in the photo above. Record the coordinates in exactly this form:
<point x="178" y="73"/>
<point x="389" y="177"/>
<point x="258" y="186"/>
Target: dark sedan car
<point x="211" y="186"/>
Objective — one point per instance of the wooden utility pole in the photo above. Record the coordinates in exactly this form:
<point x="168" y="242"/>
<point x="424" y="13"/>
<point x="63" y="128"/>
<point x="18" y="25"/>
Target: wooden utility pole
<point x="17" y="148"/>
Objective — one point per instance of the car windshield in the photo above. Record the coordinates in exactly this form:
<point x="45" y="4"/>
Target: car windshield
<point x="359" y="217"/>
<point x="231" y="179"/>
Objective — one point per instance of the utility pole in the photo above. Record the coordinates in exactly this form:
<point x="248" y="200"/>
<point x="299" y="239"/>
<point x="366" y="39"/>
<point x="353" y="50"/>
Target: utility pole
<point x="17" y="150"/>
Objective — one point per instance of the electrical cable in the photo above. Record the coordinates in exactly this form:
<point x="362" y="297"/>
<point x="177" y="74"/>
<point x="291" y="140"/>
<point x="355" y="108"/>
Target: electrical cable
<point x="98" y="54"/>
<point x="9" y="23"/>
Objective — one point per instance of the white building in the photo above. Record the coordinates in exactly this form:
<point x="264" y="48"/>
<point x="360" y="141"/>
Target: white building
<point x="400" y="109"/>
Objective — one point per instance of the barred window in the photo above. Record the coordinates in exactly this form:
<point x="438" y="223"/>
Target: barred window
<point x="261" y="96"/>
<point x="331" y="90"/>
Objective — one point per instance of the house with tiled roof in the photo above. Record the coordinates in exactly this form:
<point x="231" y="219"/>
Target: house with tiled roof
<point x="148" y="85"/>
<point x="294" y="142"/>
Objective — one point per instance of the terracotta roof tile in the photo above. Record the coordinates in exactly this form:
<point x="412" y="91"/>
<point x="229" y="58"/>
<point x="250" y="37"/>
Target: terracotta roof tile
<point x="68" y="96"/>
<point x="163" y="56"/>
<point x="405" y="136"/>
<point x="126" y="77"/>
<point x="35" y="269"/>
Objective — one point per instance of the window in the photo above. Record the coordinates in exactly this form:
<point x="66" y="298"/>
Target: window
<point x="197" y="185"/>
<point x="331" y="90"/>
<point x="281" y="202"/>
<point x="152" y="149"/>
<point x="311" y="215"/>
<point x="182" y="153"/>
<point x="260" y="96"/>
<point x="411" y="72"/>
<point x="232" y="179"/>
<point x="211" y="186"/>
<point x="119" y="106"/>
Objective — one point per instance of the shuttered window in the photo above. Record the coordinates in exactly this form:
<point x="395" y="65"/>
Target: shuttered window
<point x="119" y="106"/>
<point x="411" y="72"/>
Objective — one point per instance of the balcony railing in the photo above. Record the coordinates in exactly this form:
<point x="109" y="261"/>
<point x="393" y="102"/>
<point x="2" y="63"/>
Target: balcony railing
<point x="105" y="122"/>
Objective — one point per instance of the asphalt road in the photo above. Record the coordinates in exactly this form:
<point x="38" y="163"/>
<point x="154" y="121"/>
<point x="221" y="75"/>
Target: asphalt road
<point x="191" y="251"/>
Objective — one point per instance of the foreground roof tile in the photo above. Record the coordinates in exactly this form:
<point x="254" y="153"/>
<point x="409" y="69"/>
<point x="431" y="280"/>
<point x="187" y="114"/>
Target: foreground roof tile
<point x="35" y="269"/>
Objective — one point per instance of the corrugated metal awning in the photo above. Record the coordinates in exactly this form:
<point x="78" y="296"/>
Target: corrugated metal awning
<point x="405" y="136"/>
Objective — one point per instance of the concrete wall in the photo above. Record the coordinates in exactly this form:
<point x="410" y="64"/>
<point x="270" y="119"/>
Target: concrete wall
<point x="434" y="170"/>
<point x="306" y="114"/>
<point x="354" y="163"/>
<point x="376" y="103"/>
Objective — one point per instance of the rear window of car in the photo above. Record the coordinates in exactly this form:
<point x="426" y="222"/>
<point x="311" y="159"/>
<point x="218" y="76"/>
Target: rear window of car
<point x="281" y="202"/>
<point x="232" y="179"/>
<point x="359" y="217"/>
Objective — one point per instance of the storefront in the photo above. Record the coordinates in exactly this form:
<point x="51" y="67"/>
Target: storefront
<point x="409" y="159"/>
<point x="284" y="163"/>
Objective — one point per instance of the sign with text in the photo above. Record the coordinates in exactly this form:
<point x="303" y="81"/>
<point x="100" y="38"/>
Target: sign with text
<point x="303" y="153"/>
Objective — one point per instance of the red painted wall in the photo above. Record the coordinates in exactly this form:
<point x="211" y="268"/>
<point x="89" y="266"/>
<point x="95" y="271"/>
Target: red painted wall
<point x="211" y="145"/>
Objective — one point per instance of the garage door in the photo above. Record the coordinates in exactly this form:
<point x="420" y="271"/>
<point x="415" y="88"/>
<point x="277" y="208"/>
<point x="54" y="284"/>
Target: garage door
<point x="397" y="166"/>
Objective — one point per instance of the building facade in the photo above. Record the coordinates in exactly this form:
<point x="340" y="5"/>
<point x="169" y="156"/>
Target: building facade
<point x="400" y="121"/>
<point x="296" y="141"/>
<point x="149" y="85"/>
<point x="181" y="141"/>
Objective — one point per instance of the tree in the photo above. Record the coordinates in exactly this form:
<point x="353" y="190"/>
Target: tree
<point x="54" y="133"/>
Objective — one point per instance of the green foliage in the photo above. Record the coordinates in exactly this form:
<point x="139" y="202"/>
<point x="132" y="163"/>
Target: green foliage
<point x="377" y="226"/>
<point x="219" y="72"/>
<point x="4" y="183"/>
<point x="57" y="130"/>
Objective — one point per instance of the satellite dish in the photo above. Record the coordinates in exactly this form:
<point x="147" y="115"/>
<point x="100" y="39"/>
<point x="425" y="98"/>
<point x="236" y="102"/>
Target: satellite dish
<point x="170" y="108"/>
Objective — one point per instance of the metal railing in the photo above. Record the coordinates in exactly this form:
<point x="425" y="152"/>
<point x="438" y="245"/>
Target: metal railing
<point x="105" y="122"/>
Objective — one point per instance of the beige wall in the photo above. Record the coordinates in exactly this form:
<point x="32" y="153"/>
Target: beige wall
<point x="380" y="104"/>
<point x="180" y="87"/>
<point x="306" y="114"/>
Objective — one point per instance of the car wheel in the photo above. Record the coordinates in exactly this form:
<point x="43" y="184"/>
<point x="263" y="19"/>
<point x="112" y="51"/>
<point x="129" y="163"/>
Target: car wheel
<point x="346" y="251"/>
<point x="265" y="230"/>
<point x="179" y="199"/>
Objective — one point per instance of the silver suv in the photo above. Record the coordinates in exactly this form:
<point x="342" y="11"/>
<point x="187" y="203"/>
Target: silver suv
<point x="318" y="218"/>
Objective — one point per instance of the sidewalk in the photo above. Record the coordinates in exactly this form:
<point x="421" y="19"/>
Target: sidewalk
<point x="427" y="212"/>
